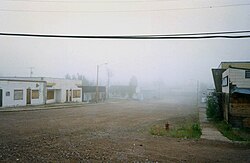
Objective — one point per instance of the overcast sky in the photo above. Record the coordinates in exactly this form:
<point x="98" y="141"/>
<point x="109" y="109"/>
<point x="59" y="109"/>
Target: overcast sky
<point x="173" y="61"/>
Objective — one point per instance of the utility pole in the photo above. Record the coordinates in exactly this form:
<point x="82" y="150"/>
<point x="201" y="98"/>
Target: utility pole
<point x="97" y="91"/>
<point x="97" y="78"/>
<point x="198" y="109"/>
<point x="197" y="93"/>
<point x="31" y="71"/>
<point x="108" y="84"/>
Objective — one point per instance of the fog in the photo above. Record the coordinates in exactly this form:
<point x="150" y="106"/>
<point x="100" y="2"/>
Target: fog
<point x="175" y="62"/>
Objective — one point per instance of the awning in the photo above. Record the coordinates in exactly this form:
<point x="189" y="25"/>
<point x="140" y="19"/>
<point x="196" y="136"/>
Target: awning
<point x="241" y="90"/>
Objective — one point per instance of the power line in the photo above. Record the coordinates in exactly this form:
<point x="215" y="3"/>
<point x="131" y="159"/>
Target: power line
<point x="138" y="37"/>
<point x="92" y="1"/>
<point x="206" y="33"/>
<point x="121" y="11"/>
<point x="31" y="71"/>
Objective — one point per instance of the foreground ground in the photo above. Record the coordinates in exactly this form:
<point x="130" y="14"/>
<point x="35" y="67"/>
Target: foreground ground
<point x="112" y="132"/>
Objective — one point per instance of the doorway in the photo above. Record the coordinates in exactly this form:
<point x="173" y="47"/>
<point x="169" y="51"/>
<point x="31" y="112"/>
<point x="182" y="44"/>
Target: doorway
<point x="28" y="97"/>
<point x="1" y="97"/>
<point x="67" y="95"/>
<point x="70" y="95"/>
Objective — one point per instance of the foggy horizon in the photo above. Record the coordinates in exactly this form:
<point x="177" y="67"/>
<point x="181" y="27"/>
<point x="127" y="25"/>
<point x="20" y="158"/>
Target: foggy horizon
<point x="170" y="61"/>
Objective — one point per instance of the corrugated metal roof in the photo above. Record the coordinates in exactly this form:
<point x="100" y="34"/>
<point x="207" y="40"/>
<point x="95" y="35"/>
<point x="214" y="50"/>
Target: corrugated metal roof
<point x="87" y="89"/>
<point x="241" y="90"/>
<point x="17" y="80"/>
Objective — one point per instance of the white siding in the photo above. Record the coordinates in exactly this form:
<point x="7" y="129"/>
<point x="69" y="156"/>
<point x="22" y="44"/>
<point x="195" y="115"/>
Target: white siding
<point x="11" y="86"/>
<point x="61" y="85"/>
<point x="236" y="77"/>
<point x="58" y="85"/>
<point x="225" y="89"/>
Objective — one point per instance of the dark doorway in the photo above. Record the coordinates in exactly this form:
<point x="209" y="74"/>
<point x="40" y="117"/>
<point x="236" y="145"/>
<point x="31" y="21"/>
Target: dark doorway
<point x="67" y="95"/>
<point x="28" y="99"/>
<point x="1" y="97"/>
<point x="70" y="95"/>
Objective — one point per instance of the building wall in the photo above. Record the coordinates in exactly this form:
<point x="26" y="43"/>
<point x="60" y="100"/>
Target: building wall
<point x="225" y="105"/>
<point x="89" y="97"/>
<point x="217" y="76"/>
<point x="10" y="86"/>
<point x="239" y="110"/>
<point x="236" y="77"/>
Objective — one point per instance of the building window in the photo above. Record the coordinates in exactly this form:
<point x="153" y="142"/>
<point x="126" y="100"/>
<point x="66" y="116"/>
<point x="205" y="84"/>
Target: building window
<point x="35" y="94"/>
<point x="50" y="94"/>
<point x="18" y="94"/>
<point x="8" y="93"/>
<point x="76" y="93"/>
<point x="225" y="81"/>
<point x="247" y="74"/>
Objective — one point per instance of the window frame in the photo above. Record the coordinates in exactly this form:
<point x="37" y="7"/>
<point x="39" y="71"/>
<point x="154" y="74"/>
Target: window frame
<point x="224" y="82"/>
<point x="247" y="74"/>
<point x="50" y="97"/>
<point x="77" y="93"/>
<point x="32" y="94"/>
<point x="16" y="97"/>
<point x="7" y="93"/>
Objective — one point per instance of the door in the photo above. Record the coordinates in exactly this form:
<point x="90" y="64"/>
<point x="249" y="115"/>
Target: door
<point x="70" y="95"/>
<point x="1" y="97"/>
<point x="28" y="96"/>
<point x="67" y="95"/>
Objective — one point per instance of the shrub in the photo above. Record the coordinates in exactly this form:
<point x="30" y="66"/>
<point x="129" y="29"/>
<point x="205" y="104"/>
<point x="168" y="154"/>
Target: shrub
<point x="231" y="133"/>
<point x="189" y="130"/>
<point x="213" y="109"/>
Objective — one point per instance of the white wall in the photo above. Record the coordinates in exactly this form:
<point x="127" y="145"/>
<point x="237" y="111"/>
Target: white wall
<point x="225" y="89"/>
<point x="63" y="85"/>
<point x="59" y="85"/>
<point x="236" y="77"/>
<point x="10" y="86"/>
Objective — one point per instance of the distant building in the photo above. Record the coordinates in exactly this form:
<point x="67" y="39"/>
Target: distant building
<point x="119" y="91"/>
<point x="124" y="92"/>
<point x="233" y="85"/>
<point x="89" y="93"/>
<point x="149" y="94"/>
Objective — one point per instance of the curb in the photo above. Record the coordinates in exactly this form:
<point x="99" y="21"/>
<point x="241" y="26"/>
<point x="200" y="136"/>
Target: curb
<point x="16" y="109"/>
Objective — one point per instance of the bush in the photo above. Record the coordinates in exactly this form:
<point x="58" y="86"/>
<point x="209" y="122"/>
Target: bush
<point x="213" y="109"/>
<point x="158" y="130"/>
<point x="189" y="130"/>
<point x="231" y="133"/>
<point x="196" y="127"/>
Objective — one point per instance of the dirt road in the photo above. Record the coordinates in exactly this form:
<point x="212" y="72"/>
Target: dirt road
<point x="110" y="132"/>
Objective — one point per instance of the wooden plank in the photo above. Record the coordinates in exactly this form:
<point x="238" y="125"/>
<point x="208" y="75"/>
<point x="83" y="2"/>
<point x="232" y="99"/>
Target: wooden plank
<point x="242" y="110"/>
<point x="246" y="122"/>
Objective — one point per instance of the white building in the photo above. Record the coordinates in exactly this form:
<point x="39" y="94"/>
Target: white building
<point x="236" y="96"/>
<point x="63" y="90"/>
<point x="21" y="91"/>
<point x="15" y="92"/>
